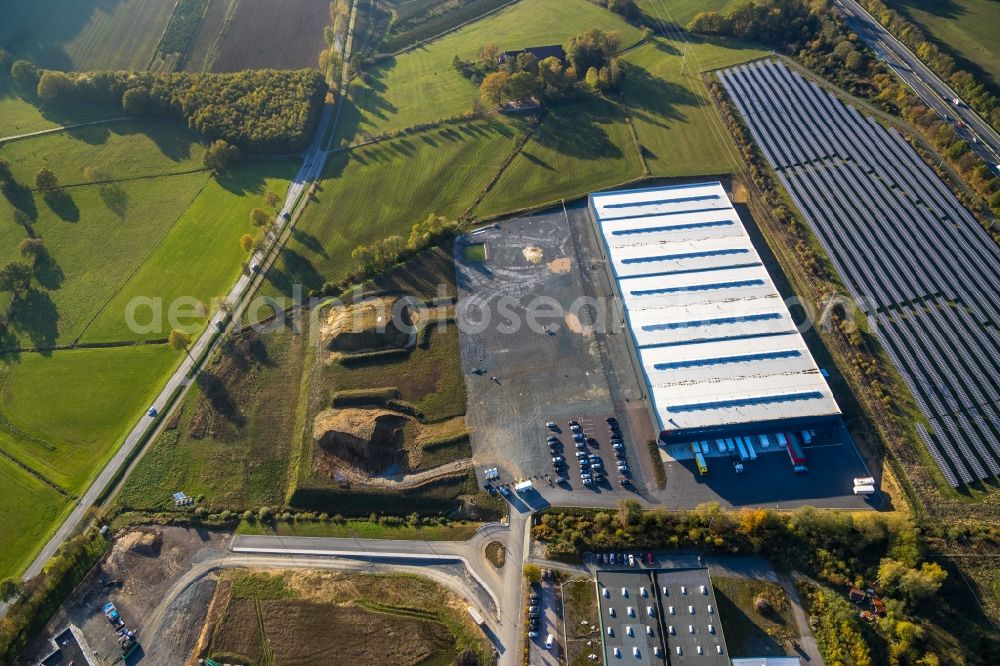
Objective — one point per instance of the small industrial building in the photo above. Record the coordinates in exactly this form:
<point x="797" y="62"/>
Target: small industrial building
<point x="711" y="337"/>
<point x="660" y="617"/>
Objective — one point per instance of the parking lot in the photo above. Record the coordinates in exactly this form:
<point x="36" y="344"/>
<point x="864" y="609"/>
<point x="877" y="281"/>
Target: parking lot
<point x="550" y="622"/>
<point x="548" y="351"/>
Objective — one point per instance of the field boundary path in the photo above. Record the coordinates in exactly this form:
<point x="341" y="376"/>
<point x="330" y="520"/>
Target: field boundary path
<point x="62" y="128"/>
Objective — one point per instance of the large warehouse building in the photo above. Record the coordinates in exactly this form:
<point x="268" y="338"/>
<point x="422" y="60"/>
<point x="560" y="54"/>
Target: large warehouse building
<point x="711" y="336"/>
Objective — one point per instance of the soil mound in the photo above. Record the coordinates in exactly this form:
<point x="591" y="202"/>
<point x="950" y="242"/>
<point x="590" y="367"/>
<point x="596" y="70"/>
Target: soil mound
<point x="142" y="543"/>
<point x="365" y="326"/>
<point x="367" y="439"/>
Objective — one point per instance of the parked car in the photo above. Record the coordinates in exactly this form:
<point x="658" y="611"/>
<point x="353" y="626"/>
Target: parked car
<point x="611" y="420"/>
<point x="532" y="634"/>
<point x="625" y="483"/>
<point x="552" y="425"/>
<point x="577" y="437"/>
<point x="581" y="455"/>
<point x="554" y="439"/>
<point x="649" y="558"/>
<point x="631" y="560"/>
<point x="558" y="459"/>
<point x="574" y="422"/>
<point x="623" y="469"/>
<point x="580" y="445"/>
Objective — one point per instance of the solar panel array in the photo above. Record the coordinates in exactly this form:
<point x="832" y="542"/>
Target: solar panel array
<point x="915" y="260"/>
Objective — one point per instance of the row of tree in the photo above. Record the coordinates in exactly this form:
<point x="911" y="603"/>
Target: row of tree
<point x="261" y="111"/>
<point x="376" y="257"/>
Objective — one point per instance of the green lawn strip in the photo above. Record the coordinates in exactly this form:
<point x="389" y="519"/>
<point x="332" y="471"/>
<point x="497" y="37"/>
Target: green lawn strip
<point x="421" y="85"/>
<point x="747" y="630"/>
<point x="578" y="148"/>
<point x="969" y="29"/>
<point x="361" y="529"/>
<point x="96" y="240"/>
<point x="233" y="449"/>
<point x="206" y="237"/>
<point x="11" y="233"/>
<point x="123" y="149"/>
<point x="82" y="402"/>
<point x="85" y="34"/>
<point x="369" y="193"/>
<point x="31" y="510"/>
<point x="679" y="129"/>
<point x="680" y="11"/>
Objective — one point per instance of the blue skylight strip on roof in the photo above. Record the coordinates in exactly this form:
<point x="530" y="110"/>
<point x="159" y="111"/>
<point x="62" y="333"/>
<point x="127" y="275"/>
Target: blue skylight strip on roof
<point x="655" y="202"/>
<point x="685" y="255"/>
<point x="746" y="402"/>
<point x="685" y="271"/>
<point x="723" y="360"/>
<point x="721" y="338"/>
<point x="698" y="287"/>
<point x="662" y="213"/>
<point x="766" y="316"/>
<point x="674" y="227"/>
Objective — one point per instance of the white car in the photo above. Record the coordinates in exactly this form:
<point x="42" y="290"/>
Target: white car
<point x="631" y="560"/>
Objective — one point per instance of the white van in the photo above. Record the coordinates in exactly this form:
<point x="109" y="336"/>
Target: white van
<point x="549" y="640"/>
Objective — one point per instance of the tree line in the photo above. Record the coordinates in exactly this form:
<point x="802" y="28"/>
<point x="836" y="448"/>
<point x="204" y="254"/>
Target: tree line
<point x="838" y="549"/>
<point x="259" y="111"/>
<point x="973" y="92"/>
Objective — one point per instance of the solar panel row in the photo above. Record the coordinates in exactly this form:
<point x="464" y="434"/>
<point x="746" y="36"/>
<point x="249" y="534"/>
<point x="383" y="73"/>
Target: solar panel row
<point x="914" y="259"/>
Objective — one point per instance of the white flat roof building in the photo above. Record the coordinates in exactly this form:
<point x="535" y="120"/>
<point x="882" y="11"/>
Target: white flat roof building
<point x="713" y="337"/>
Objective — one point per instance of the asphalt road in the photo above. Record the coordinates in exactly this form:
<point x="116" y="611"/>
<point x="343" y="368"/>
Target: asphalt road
<point x="312" y="166"/>
<point x="932" y="90"/>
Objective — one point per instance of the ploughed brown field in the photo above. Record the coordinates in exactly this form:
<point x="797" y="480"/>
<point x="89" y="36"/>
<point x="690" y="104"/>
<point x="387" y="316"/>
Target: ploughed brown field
<point x="277" y="35"/>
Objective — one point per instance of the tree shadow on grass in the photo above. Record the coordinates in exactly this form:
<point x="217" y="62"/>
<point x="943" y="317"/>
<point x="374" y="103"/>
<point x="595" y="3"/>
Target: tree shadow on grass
<point x="295" y="269"/>
<point x="369" y="99"/>
<point x="308" y="241"/>
<point x="576" y="130"/>
<point x="36" y="316"/>
<point x="654" y="100"/>
<point x="47" y="272"/>
<point x="219" y="397"/>
<point x="61" y="203"/>
<point x="21" y="198"/>
<point x="537" y="161"/>
<point x="114" y="197"/>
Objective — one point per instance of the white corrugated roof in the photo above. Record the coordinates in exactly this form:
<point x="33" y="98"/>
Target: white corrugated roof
<point x="715" y="339"/>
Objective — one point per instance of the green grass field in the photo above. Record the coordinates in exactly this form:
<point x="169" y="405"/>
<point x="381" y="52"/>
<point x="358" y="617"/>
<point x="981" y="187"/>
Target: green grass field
<point x="30" y="509"/>
<point x="577" y="148"/>
<point x="205" y="236"/>
<point x="680" y="11"/>
<point x="380" y="190"/>
<point x="749" y="631"/>
<point x="234" y="447"/>
<point x="63" y="416"/>
<point x="969" y="29"/>
<point x="85" y="34"/>
<point x="421" y="85"/>
<point x="673" y="115"/>
<point x="127" y="149"/>
<point x="96" y="239"/>
<point x="363" y="529"/>
<point x="76" y="405"/>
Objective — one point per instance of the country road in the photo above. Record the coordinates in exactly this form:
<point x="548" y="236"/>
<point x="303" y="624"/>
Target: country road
<point x="62" y="128"/>
<point x="179" y="382"/>
<point x="937" y="94"/>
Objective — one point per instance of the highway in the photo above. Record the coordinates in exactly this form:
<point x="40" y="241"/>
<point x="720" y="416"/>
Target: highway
<point x="312" y="166"/>
<point x="931" y="89"/>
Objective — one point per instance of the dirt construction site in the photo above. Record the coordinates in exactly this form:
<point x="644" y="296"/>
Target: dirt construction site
<point x="136" y="575"/>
